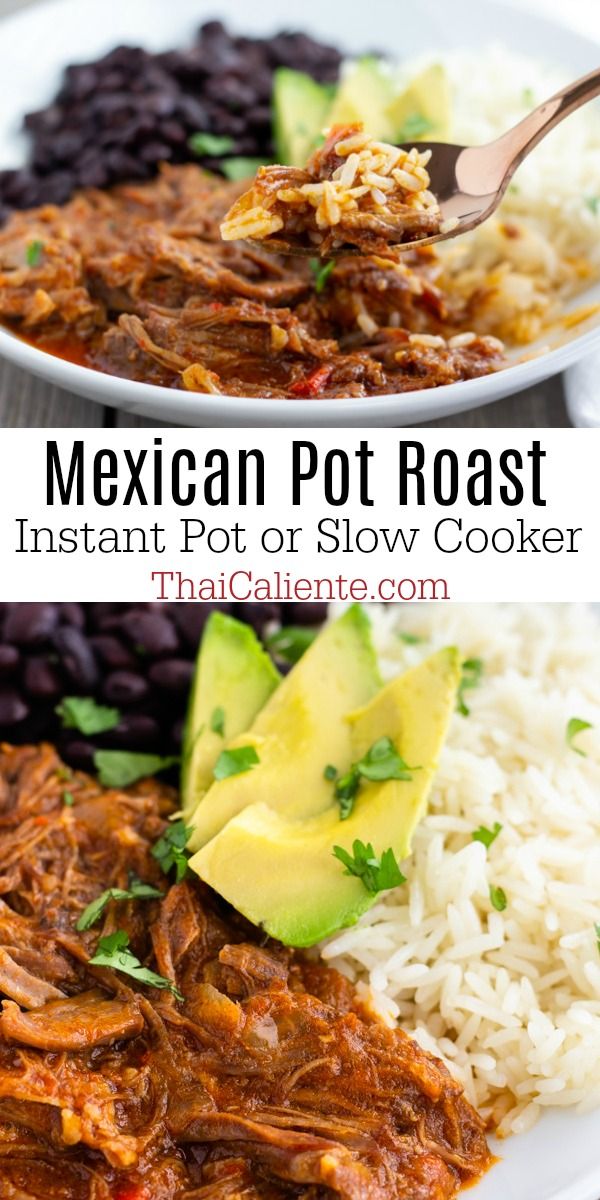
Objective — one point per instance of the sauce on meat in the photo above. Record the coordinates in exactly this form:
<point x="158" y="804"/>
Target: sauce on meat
<point x="138" y="283"/>
<point x="268" y="1081"/>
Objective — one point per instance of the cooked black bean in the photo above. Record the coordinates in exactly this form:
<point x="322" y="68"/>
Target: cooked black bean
<point x="124" y="687"/>
<point x="41" y="679"/>
<point x="112" y="652"/>
<point x="78" y="753"/>
<point x="77" y="659"/>
<point x="72" y="614"/>
<point x="191" y="619"/>
<point x="150" y="632"/>
<point x="137" y="657"/>
<point x="304" y="614"/>
<point x="28" y="624"/>
<point x="117" y="118"/>
<point x="9" y="660"/>
<point x="12" y="708"/>
<point x="172" y="674"/>
<point x="135" y="731"/>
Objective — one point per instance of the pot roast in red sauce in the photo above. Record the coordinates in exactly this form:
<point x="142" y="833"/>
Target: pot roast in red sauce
<point x="137" y="282"/>
<point x="354" y="195"/>
<point x="267" y="1079"/>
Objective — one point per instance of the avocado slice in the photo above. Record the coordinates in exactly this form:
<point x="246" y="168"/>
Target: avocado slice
<point x="299" y="731"/>
<point x="281" y="873"/>
<point x="233" y="673"/>
<point x="423" y="111"/>
<point x="300" y="107"/>
<point x="364" y="96"/>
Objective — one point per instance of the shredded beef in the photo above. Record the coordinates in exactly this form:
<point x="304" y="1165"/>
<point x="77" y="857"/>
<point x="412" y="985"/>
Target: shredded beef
<point x="138" y="283"/>
<point x="268" y="1080"/>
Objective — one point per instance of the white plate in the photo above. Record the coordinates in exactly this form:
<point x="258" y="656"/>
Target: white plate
<point x="37" y="43"/>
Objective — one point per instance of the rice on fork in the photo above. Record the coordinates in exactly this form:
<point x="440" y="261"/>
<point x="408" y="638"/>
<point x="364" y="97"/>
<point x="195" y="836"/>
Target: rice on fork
<point x="355" y="193"/>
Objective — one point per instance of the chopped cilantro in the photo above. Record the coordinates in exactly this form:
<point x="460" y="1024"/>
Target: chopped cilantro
<point x="68" y="799"/>
<point x="136" y="891"/>
<point x="291" y="642"/>
<point x="377" y="874"/>
<point x="410" y="639"/>
<point x="593" y="203"/>
<point x="414" y="127"/>
<point x="33" y="253"/>
<point x="217" y="721"/>
<point x="346" y="790"/>
<point x="169" y="850"/>
<point x="113" y="951"/>
<point x="472" y="671"/>
<point x="487" y="836"/>
<point x="119" y="768"/>
<point x="210" y="144"/>
<point x="330" y="773"/>
<point x="235" y="762"/>
<point x="575" y="726"/>
<point x="241" y="168"/>
<point x="597" y="932"/>
<point x="498" y="898"/>
<point x="82" y="713"/>
<point x="321" y="272"/>
<point x="381" y="762"/>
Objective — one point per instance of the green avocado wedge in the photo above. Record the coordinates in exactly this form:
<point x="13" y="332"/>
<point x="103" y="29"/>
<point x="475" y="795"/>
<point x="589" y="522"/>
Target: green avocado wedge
<point x="300" y="729"/>
<point x="300" y="106"/>
<point x="364" y="97"/>
<point x="234" y="678"/>
<point x="280" y="871"/>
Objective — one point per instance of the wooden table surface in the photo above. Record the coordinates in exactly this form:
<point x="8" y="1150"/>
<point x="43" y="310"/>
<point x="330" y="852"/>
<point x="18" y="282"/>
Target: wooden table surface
<point x="26" y="401"/>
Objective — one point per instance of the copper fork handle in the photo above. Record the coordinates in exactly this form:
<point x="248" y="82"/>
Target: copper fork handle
<point x="507" y="153"/>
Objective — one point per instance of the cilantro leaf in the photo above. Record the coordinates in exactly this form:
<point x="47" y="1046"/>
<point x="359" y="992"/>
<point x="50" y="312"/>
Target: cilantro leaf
<point x="68" y="799"/>
<point x="82" y="713"/>
<point x="235" y="762"/>
<point x="472" y="671"/>
<point x="113" y="951"/>
<point x="498" y="898"/>
<point x="593" y="203"/>
<point x="241" y="168"/>
<point x="136" y="891"/>
<point x="575" y="726"/>
<point x="217" y="721"/>
<point x="597" y="932"/>
<point x="487" y="836"/>
<point x="410" y="639"/>
<point x="330" y="773"/>
<point x="119" y="768"/>
<point x="377" y="874"/>
<point x="169" y="850"/>
<point x="382" y="761"/>
<point x="33" y="253"/>
<point x="291" y="642"/>
<point x="321" y="272"/>
<point x="346" y="791"/>
<point x="210" y="144"/>
<point x="415" y="125"/>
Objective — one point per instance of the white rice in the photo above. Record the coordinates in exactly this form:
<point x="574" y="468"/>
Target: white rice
<point x="510" y="1000"/>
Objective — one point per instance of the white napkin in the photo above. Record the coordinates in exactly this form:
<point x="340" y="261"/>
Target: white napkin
<point x="582" y="392"/>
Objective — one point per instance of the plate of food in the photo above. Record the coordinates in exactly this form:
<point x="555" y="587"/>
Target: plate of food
<point x="124" y="158"/>
<point x="299" y="910"/>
